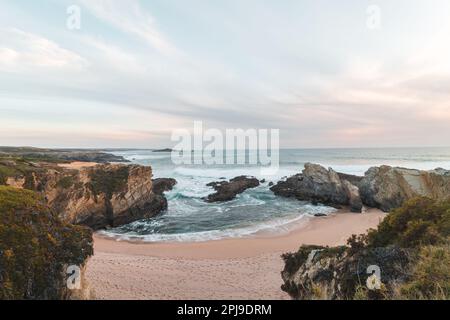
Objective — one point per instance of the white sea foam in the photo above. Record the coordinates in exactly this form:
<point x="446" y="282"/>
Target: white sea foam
<point x="229" y="173"/>
<point x="256" y="210"/>
<point x="278" y="226"/>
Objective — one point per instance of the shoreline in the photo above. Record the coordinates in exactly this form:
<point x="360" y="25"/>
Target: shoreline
<point x="334" y="230"/>
<point x="240" y="268"/>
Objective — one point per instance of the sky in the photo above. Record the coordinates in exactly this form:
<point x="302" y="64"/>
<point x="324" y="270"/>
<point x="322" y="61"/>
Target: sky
<point x="350" y="73"/>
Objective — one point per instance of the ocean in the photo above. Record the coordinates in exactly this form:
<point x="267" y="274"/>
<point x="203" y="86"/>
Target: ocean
<point x="190" y="218"/>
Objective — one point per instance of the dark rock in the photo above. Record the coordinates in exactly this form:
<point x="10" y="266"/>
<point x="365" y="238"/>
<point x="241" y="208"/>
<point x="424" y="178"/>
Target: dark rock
<point x="162" y="185"/>
<point x="263" y="181"/>
<point x="319" y="185"/>
<point x="355" y="180"/>
<point x="163" y="150"/>
<point x="320" y="215"/>
<point x="226" y="191"/>
<point x="271" y="184"/>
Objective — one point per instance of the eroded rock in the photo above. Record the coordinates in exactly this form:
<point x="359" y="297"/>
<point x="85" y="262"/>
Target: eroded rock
<point x="162" y="185"/>
<point x="106" y="195"/>
<point x="228" y="190"/>
<point x="319" y="185"/>
<point x="388" y="187"/>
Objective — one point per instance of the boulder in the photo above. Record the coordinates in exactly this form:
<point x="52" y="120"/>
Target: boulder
<point x="319" y="185"/>
<point x="162" y="185"/>
<point x="388" y="187"/>
<point x="228" y="190"/>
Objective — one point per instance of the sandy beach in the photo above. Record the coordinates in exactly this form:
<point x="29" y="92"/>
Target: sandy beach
<point x="247" y="268"/>
<point x="77" y="165"/>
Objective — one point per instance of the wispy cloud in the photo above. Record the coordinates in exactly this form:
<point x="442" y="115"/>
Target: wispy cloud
<point x="129" y="17"/>
<point x="137" y="69"/>
<point x="20" y="50"/>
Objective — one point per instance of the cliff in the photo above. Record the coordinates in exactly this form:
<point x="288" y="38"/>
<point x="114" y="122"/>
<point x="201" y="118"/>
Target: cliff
<point x="388" y="188"/>
<point x="410" y="249"/>
<point x="36" y="248"/>
<point x="106" y="195"/>
<point x="382" y="187"/>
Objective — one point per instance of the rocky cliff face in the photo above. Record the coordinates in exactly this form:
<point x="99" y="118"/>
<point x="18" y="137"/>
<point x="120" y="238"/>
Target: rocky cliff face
<point x="102" y="196"/>
<point x="382" y="187"/>
<point x="319" y="273"/>
<point x="389" y="187"/>
<point x="319" y="185"/>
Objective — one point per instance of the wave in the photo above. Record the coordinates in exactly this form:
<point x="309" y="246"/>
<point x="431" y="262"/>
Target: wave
<point x="229" y="173"/>
<point x="279" y="226"/>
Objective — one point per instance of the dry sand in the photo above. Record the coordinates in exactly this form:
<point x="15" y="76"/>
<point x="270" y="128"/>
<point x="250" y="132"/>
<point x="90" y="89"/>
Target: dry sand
<point x="77" y="165"/>
<point x="226" y="269"/>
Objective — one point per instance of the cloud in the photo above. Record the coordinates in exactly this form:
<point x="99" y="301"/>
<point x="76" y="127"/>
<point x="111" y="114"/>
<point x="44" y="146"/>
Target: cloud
<point x="129" y="17"/>
<point x="20" y="50"/>
<point x="231" y="65"/>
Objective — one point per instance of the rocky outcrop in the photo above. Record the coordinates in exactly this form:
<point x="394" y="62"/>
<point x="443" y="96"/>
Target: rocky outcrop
<point x="37" y="249"/>
<point x="315" y="273"/>
<point x="106" y="195"/>
<point x="389" y="187"/>
<point x="406" y="257"/>
<point x="228" y="190"/>
<point x="319" y="185"/>
<point x="382" y="187"/>
<point x="162" y="185"/>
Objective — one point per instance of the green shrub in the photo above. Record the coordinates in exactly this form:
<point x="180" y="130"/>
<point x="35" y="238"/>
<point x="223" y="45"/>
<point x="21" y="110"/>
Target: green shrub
<point x="293" y="261"/>
<point x="430" y="277"/>
<point x="35" y="246"/>
<point x="5" y="172"/>
<point x="109" y="181"/>
<point x="65" y="182"/>
<point x="419" y="222"/>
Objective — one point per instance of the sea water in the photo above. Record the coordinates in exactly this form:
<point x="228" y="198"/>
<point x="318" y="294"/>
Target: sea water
<point x="258" y="210"/>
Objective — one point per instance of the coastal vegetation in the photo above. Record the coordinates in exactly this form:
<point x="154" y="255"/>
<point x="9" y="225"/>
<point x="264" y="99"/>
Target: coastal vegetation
<point x="410" y="247"/>
<point x="36" y="247"/>
<point x="108" y="180"/>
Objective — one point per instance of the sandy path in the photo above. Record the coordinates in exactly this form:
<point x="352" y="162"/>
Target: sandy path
<point x="226" y="269"/>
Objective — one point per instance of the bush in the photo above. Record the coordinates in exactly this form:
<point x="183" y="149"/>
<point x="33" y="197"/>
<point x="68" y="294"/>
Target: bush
<point x="35" y="247"/>
<point x="108" y="181"/>
<point x="430" y="277"/>
<point x="65" y="182"/>
<point x="419" y="222"/>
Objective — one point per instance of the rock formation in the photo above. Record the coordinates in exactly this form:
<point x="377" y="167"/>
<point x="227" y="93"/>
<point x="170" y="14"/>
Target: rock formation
<point x="319" y="185"/>
<point x="382" y="187"/>
<point x="226" y="191"/>
<point x="389" y="187"/>
<point x="162" y="185"/>
<point x="320" y="273"/>
<point x="106" y="195"/>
